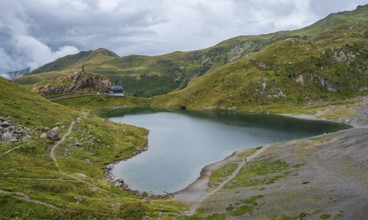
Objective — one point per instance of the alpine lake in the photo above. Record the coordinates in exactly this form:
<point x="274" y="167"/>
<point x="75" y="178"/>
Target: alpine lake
<point x="181" y="143"/>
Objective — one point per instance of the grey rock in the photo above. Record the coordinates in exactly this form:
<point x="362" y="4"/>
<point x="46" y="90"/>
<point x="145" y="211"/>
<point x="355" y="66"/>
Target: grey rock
<point x="8" y="137"/>
<point x="43" y="136"/>
<point x="26" y="138"/>
<point x="5" y="124"/>
<point x="44" y="129"/>
<point x="54" y="133"/>
<point x="145" y="201"/>
<point x="2" y="119"/>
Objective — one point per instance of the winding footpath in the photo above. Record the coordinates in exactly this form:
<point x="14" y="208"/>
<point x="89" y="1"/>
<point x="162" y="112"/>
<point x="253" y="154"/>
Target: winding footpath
<point x="205" y="196"/>
<point x="8" y="151"/>
<point x="52" y="152"/>
<point x="53" y="156"/>
<point x="22" y="196"/>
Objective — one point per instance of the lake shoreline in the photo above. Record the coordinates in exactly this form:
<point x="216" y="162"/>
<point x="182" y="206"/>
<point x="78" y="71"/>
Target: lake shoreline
<point x="200" y="182"/>
<point x="200" y="185"/>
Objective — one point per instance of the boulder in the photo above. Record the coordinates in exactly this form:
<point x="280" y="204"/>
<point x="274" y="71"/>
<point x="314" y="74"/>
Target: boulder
<point x="8" y="137"/>
<point x="44" y="129"/>
<point x="54" y="133"/>
<point x="5" y="124"/>
<point x="26" y="138"/>
<point x="145" y="201"/>
<point x="13" y="133"/>
<point x="43" y="136"/>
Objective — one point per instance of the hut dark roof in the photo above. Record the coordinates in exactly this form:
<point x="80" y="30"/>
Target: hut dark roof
<point x="116" y="89"/>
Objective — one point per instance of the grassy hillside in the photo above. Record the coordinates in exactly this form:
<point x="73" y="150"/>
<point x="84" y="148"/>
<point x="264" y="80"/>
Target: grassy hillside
<point x="74" y="186"/>
<point x="148" y="76"/>
<point x="287" y="74"/>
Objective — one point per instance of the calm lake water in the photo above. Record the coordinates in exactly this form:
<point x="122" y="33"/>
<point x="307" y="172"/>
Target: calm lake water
<point x="181" y="143"/>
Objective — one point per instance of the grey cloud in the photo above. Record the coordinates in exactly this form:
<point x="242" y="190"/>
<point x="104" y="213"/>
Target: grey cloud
<point x="34" y="32"/>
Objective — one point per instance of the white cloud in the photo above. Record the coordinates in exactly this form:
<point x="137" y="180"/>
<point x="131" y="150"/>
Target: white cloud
<point x="20" y="49"/>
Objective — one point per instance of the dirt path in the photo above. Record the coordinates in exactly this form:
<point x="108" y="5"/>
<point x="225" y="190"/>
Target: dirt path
<point x="70" y="96"/>
<point x="22" y="196"/>
<point x="8" y="151"/>
<point x="52" y="152"/>
<point x="196" y="193"/>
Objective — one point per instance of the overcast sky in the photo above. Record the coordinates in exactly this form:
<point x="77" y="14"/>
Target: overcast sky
<point x="35" y="32"/>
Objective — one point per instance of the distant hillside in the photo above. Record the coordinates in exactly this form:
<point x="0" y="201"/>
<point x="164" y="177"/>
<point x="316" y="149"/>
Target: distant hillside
<point x="15" y="74"/>
<point x="149" y="76"/>
<point x="294" y="71"/>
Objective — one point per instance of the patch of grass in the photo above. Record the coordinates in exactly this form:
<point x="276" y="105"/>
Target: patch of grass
<point x="242" y="210"/>
<point x="210" y="217"/>
<point x="230" y="208"/>
<point x="243" y="206"/>
<point x="258" y="173"/>
<point x="247" y="153"/>
<point x="325" y="216"/>
<point x="219" y="175"/>
<point x="252" y="200"/>
<point x="298" y="165"/>
<point x="131" y="211"/>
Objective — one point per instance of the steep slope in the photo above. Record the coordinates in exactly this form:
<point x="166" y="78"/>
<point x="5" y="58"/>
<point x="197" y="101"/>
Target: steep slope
<point x="294" y="71"/>
<point x="64" y="176"/>
<point x="148" y="76"/>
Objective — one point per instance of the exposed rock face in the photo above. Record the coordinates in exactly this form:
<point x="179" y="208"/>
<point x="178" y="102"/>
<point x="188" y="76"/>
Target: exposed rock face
<point x="313" y="77"/>
<point x="12" y="133"/>
<point x="53" y="133"/>
<point x="78" y="81"/>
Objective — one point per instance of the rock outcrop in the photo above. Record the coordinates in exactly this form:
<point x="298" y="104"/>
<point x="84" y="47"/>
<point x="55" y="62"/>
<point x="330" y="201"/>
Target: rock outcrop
<point x="315" y="78"/>
<point x="13" y="133"/>
<point x="79" y="80"/>
<point x="54" y="134"/>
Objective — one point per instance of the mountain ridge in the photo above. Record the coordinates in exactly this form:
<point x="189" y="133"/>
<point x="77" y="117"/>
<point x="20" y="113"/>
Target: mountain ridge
<point x="148" y="76"/>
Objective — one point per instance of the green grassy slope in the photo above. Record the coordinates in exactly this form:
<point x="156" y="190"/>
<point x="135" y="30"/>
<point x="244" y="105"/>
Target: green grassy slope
<point x="290" y="73"/>
<point x="32" y="186"/>
<point x="66" y="65"/>
<point x="96" y="56"/>
<point x="148" y="76"/>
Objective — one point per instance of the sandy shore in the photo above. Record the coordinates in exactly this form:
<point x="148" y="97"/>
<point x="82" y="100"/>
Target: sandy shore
<point x="199" y="191"/>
